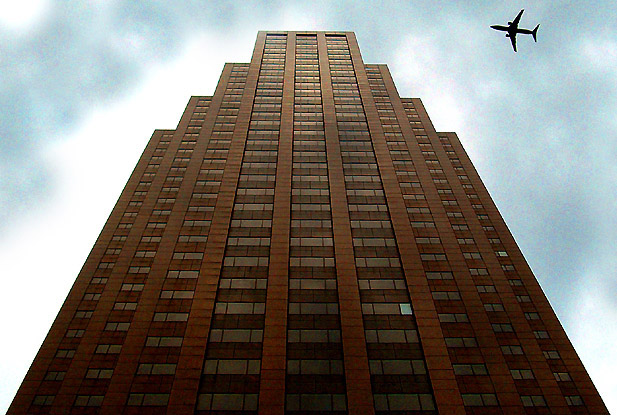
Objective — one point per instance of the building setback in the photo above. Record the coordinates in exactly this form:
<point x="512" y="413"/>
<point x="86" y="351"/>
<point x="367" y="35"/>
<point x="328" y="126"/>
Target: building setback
<point x="305" y="242"/>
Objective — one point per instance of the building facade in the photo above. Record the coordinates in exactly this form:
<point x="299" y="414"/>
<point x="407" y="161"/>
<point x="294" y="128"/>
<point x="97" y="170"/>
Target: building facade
<point x="305" y="242"/>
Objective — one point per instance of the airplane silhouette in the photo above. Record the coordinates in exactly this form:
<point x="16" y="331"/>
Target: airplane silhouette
<point x="513" y="30"/>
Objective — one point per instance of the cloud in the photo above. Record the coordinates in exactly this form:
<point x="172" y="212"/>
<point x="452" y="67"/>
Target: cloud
<point x="594" y="336"/>
<point x="19" y="16"/>
<point x="79" y="58"/>
<point x="81" y="80"/>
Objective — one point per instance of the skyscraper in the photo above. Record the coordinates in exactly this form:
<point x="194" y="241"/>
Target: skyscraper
<point x="305" y="242"/>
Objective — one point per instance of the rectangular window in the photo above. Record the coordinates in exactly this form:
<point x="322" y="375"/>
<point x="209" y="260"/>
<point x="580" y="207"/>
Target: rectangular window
<point x="108" y="348"/>
<point x="99" y="373"/>
<point x="148" y="399"/>
<point x="154" y="341"/>
<point x="533" y="400"/>
<point x="469" y="369"/>
<point x="156" y="369"/>
<point x="520" y="374"/>
<point x="461" y="342"/>
<point x="479" y="399"/>
<point x="88" y="400"/>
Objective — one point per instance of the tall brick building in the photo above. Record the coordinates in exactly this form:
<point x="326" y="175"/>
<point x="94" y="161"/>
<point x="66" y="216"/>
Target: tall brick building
<point x="305" y="242"/>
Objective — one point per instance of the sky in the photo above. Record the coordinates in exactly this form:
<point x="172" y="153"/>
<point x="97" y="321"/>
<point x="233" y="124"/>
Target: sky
<point x="84" y="84"/>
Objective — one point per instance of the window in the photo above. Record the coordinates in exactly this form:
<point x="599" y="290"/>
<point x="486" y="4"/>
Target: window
<point x="65" y="353"/>
<point x="312" y="284"/>
<point x="88" y="400"/>
<point x="453" y="318"/>
<point x="117" y="326"/>
<point x="232" y="367"/>
<point x="493" y="307"/>
<point x="43" y="400"/>
<point x="533" y="400"/>
<point x="461" y="342"/>
<point x="52" y="375"/>
<point x="313" y="336"/>
<point x="520" y="374"/>
<point x="502" y="328"/>
<point x="148" y="399"/>
<point x="99" y="373"/>
<point x="125" y="306"/>
<point x="139" y="270"/>
<point x="479" y="399"/>
<point x="239" y="308"/>
<point x="470" y="369"/>
<point x="156" y="369"/>
<point x="177" y="294"/>
<point x="155" y="341"/>
<point x="404" y="402"/>
<point x="423" y="240"/>
<point x="313" y="308"/>
<point x="314" y="367"/>
<point x="486" y="288"/>
<point x="316" y="402"/>
<point x="574" y="400"/>
<point x="562" y="376"/>
<point x="532" y="316"/>
<point x="460" y="227"/>
<point x="227" y="402"/>
<point x="132" y="287"/>
<point x="444" y="275"/>
<point x="433" y="257"/>
<point x="108" y="348"/>
<point x="183" y="274"/>
<point x="170" y="317"/>
<point x="512" y="350"/>
<point x="446" y="295"/>
<point x="387" y="308"/>
<point x="236" y="335"/>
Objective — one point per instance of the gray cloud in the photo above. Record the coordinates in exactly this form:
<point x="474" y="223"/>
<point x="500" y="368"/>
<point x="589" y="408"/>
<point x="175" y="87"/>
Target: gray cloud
<point x="80" y="57"/>
<point x="539" y="124"/>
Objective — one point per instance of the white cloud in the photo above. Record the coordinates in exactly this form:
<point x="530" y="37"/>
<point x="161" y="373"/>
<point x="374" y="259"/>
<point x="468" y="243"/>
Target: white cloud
<point x="43" y="252"/>
<point x="418" y="67"/>
<point x="449" y="69"/>
<point x="599" y="53"/>
<point x="594" y="336"/>
<point x="23" y="14"/>
<point x="294" y="17"/>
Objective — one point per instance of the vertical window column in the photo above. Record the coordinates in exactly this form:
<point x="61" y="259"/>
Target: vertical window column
<point x="314" y="380"/>
<point x="231" y="374"/>
<point x="398" y="373"/>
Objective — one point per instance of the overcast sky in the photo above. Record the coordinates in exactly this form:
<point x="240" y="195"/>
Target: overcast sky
<point x="84" y="84"/>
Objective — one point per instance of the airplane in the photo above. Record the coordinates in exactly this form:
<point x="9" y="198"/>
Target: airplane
<point x="513" y="30"/>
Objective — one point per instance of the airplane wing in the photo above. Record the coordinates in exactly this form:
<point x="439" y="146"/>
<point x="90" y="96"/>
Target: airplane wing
<point x="513" y="40"/>
<point x="517" y="18"/>
<point x="498" y="27"/>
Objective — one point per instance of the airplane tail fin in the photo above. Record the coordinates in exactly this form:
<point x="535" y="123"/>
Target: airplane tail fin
<point x="534" y="32"/>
